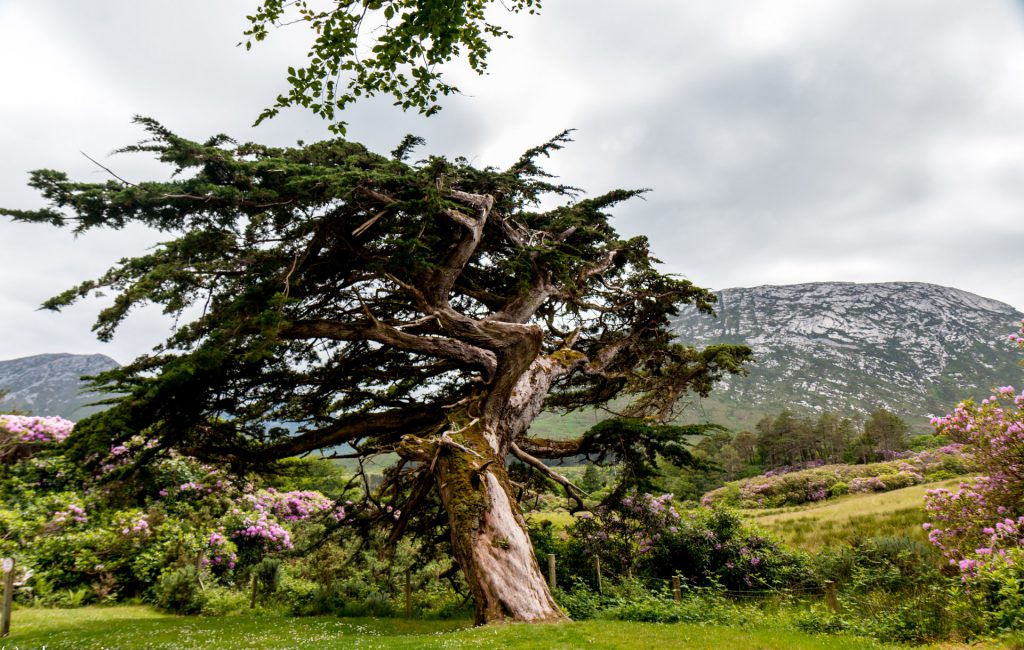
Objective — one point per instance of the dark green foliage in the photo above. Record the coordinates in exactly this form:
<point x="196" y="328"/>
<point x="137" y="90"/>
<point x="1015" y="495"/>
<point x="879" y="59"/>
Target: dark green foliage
<point x="267" y="576"/>
<point x="178" y="591"/>
<point x="306" y="261"/>
<point x="886" y="431"/>
<point x="891" y="588"/>
<point x="715" y="547"/>
<point x="636" y="447"/>
<point x="591" y="481"/>
<point x="402" y="58"/>
<point x="705" y="547"/>
<point x="789" y="439"/>
<point x="888" y="563"/>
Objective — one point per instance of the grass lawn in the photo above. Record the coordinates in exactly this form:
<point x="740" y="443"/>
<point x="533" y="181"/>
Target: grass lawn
<point x="812" y="526"/>
<point x="131" y="627"/>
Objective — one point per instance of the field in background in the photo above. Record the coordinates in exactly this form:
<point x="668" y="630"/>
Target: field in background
<point x="847" y="518"/>
<point x="898" y="513"/>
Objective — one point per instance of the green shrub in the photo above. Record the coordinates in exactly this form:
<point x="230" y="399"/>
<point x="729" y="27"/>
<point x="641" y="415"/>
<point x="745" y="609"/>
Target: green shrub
<point x="318" y="601"/>
<point x="178" y="591"/>
<point x="890" y="588"/>
<point x="267" y="575"/>
<point x="580" y="602"/>
<point x="998" y="589"/>
<point x="222" y="601"/>
<point x="300" y="596"/>
<point x="700" y="606"/>
<point x="714" y="547"/>
<point x="817" y="618"/>
<point x="839" y="489"/>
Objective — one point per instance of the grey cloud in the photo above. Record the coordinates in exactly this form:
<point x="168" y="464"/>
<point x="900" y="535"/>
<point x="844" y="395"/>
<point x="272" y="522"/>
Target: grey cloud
<point x="824" y="140"/>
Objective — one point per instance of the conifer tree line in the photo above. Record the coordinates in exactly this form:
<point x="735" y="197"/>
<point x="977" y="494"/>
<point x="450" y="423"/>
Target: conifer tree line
<point x="791" y="439"/>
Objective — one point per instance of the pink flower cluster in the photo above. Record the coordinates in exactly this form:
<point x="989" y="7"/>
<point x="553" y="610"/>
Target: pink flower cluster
<point x="73" y="513"/>
<point x="270" y="534"/>
<point x="229" y="560"/>
<point x="137" y="526"/>
<point x="634" y="528"/>
<point x="37" y="429"/>
<point x="984" y="517"/>
<point x="297" y="505"/>
<point x="222" y="556"/>
<point x="815" y="484"/>
<point x="119" y="455"/>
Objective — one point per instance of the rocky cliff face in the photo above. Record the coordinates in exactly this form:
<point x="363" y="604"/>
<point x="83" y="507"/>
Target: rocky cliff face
<point x="913" y="348"/>
<point x="50" y="384"/>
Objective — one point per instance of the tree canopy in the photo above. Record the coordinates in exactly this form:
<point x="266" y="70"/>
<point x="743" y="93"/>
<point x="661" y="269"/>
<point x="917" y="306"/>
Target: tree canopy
<point x="370" y="47"/>
<point x="335" y="299"/>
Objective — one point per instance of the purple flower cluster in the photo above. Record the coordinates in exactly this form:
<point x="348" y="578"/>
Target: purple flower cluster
<point x="137" y="526"/>
<point x="297" y="505"/>
<point x="73" y="513"/>
<point x="227" y="561"/>
<point x="270" y="535"/>
<point x="37" y="429"/>
<point x="983" y="518"/>
<point x="222" y="553"/>
<point x="631" y="529"/>
<point x="796" y="487"/>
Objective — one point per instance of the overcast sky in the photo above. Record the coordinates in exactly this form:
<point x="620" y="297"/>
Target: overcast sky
<point x="785" y="141"/>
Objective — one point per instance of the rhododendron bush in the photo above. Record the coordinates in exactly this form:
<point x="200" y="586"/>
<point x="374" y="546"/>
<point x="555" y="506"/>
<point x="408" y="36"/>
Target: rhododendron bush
<point x="982" y="520"/>
<point x="980" y="526"/>
<point x="23" y="435"/>
<point x="35" y="429"/>
<point x="646" y="536"/>
<point x="106" y="537"/>
<point x="776" y="489"/>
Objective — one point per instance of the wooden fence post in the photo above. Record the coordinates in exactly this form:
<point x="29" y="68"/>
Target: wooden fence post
<point x="252" y="599"/>
<point x="677" y="591"/>
<point x="551" y="571"/>
<point x="597" y="567"/>
<point x="5" y="622"/>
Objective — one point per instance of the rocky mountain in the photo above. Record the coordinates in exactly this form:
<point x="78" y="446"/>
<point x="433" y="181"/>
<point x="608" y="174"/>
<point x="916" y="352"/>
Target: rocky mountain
<point x="50" y="384"/>
<point x="913" y="348"/>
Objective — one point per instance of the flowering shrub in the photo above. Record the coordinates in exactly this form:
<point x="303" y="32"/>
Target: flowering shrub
<point x="648" y="536"/>
<point x="788" y="488"/>
<point x="73" y="513"/>
<point x="621" y="535"/>
<point x="111" y="538"/>
<point x="36" y="429"/>
<point x="715" y="547"/>
<point x="984" y="517"/>
<point x="22" y="436"/>
<point x="297" y="505"/>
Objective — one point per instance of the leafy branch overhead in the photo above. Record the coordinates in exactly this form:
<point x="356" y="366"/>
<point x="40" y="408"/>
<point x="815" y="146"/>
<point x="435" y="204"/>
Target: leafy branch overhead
<point x="370" y="47"/>
<point x="428" y="309"/>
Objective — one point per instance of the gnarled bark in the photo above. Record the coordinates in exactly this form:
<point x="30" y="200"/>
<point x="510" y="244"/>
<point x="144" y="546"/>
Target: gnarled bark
<point x="489" y="533"/>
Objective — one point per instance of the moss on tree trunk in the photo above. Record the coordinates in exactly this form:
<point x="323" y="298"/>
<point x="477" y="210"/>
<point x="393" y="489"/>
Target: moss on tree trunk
<point x="489" y="534"/>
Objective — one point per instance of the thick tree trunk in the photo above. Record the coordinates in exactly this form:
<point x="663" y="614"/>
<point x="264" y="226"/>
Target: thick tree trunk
<point x="489" y="534"/>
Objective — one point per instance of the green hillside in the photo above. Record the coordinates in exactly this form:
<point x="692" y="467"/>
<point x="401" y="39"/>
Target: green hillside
<point x="851" y="517"/>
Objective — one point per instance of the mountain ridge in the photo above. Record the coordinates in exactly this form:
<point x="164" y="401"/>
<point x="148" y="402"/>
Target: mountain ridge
<point x="51" y="384"/>
<point x="911" y="347"/>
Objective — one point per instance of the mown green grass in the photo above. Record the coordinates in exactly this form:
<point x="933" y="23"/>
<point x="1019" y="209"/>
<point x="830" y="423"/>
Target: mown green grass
<point x="132" y="627"/>
<point x="848" y="518"/>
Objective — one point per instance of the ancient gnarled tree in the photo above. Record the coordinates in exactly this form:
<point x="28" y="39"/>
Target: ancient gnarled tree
<point x="430" y="310"/>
